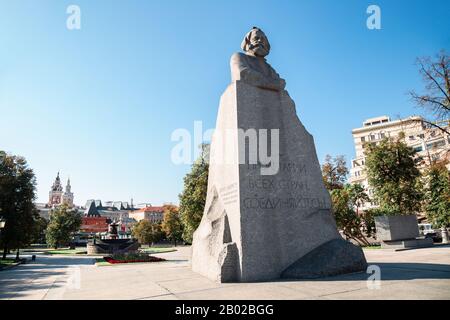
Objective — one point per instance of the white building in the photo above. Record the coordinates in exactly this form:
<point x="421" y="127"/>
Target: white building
<point x="150" y="213"/>
<point x="430" y="143"/>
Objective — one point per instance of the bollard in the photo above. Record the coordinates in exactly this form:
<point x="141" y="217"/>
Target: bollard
<point x="444" y="233"/>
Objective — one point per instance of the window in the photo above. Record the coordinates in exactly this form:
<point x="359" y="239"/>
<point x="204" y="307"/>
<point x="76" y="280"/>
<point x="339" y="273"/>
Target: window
<point x="418" y="149"/>
<point x="382" y="135"/>
<point x="363" y="139"/>
<point x="421" y="136"/>
<point x="435" y="157"/>
<point x="436" y="144"/>
<point x="412" y="138"/>
<point x="372" y="137"/>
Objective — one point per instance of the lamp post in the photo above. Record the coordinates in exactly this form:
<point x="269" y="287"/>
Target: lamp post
<point x="2" y="225"/>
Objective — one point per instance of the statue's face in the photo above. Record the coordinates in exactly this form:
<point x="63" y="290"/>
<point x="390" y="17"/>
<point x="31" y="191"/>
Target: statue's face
<point x="258" y="45"/>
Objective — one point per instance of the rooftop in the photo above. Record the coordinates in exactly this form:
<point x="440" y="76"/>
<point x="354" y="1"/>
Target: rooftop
<point x="384" y="122"/>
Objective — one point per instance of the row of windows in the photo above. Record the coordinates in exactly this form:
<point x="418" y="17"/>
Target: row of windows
<point x="373" y="136"/>
<point x="436" y="144"/>
<point x="376" y="122"/>
<point x="419" y="136"/>
<point x="431" y="146"/>
<point x="356" y="163"/>
<point x="382" y="135"/>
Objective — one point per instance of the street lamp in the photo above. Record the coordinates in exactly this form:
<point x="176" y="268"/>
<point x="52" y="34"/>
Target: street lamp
<point x="2" y="225"/>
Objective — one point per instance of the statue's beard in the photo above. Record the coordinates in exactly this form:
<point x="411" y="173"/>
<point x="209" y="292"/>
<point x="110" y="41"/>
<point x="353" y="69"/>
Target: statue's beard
<point x="258" y="50"/>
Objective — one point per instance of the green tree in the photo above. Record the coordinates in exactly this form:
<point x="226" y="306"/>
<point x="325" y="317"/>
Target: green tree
<point x="39" y="230"/>
<point x="334" y="172"/>
<point x="193" y="197"/>
<point x="344" y="202"/>
<point x="438" y="195"/>
<point x="394" y="177"/>
<point x="358" y="195"/>
<point x="17" y="209"/>
<point x="172" y="225"/>
<point x="64" y="222"/>
<point x="368" y="218"/>
<point x="147" y="232"/>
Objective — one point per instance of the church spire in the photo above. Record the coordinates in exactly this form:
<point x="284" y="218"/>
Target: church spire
<point x="57" y="184"/>
<point x="68" y="195"/>
<point x="56" y="192"/>
<point x="68" y="186"/>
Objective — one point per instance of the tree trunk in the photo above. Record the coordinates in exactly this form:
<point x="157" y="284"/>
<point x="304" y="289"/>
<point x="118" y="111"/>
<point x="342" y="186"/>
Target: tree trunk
<point x="17" y="255"/>
<point x="5" y="251"/>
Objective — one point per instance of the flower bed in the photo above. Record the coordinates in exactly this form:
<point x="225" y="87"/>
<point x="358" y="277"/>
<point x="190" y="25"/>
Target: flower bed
<point x="131" y="258"/>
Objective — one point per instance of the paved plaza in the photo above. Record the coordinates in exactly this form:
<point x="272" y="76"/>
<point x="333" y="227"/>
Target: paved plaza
<point x="411" y="274"/>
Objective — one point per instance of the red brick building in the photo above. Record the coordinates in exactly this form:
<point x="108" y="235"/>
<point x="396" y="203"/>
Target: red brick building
<point x="94" y="224"/>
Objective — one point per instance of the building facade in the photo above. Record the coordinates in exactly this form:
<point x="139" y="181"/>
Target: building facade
<point x="112" y="211"/>
<point x="149" y="213"/>
<point x="94" y="225"/>
<point x="430" y="143"/>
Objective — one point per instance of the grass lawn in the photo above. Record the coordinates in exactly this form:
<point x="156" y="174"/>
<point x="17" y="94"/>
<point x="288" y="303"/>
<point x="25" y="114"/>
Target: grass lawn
<point x="67" y="251"/>
<point x="157" y="250"/>
<point x="372" y="247"/>
<point x="100" y="262"/>
<point x="6" y="262"/>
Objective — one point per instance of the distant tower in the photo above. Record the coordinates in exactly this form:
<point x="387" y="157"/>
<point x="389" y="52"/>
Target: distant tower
<point x="68" y="195"/>
<point x="56" y="193"/>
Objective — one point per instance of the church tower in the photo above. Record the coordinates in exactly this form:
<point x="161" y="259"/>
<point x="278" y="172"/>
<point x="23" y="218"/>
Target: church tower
<point x="56" y="193"/>
<point x="68" y="195"/>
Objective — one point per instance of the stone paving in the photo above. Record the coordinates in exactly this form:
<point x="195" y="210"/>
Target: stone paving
<point x="411" y="274"/>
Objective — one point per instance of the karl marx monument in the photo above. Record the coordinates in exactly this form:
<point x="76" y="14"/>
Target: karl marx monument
<point x="266" y="217"/>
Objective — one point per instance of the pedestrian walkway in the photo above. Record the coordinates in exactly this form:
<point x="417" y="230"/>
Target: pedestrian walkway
<point x="412" y="274"/>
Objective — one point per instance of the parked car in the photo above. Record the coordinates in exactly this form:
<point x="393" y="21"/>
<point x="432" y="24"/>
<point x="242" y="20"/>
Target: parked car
<point x="426" y="229"/>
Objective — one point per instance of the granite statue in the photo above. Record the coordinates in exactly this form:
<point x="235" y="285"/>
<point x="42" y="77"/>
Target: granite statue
<point x="256" y="226"/>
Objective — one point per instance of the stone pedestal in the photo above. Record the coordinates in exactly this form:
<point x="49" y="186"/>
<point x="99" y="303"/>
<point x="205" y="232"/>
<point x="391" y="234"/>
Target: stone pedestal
<point x="260" y="227"/>
<point x="392" y="228"/>
<point x="400" y="232"/>
<point x="420" y="242"/>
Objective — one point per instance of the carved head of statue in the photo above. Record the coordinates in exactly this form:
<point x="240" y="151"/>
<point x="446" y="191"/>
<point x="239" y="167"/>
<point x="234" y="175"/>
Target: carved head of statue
<point x="256" y="43"/>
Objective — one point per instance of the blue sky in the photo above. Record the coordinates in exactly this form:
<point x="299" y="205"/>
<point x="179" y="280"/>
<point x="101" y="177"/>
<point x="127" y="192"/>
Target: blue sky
<point x="100" y="104"/>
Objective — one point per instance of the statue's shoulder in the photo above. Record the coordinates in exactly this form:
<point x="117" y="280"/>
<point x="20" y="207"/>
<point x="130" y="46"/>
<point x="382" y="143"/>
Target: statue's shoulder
<point x="238" y="57"/>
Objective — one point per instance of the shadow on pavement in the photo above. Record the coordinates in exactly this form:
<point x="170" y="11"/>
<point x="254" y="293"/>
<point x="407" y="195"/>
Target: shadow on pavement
<point x="40" y="275"/>
<point x="394" y="271"/>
